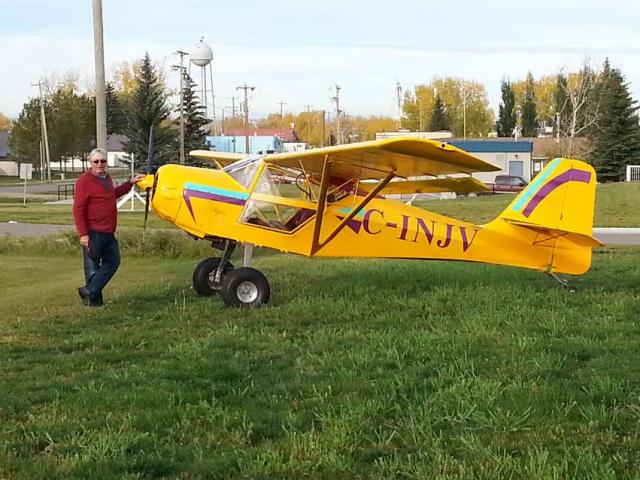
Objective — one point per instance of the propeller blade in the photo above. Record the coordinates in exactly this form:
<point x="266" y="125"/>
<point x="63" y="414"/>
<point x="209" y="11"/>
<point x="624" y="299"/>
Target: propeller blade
<point x="146" y="209"/>
<point x="150" y="152"/>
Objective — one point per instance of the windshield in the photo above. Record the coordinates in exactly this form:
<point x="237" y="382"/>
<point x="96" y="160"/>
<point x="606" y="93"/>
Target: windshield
<point x="243" y="171"/>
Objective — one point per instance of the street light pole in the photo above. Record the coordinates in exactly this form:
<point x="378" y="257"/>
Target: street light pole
<point x="101" y="103"/>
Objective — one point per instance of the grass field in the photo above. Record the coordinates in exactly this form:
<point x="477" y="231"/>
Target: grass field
<point x="616" y="206"/>
<point x="358" y="369"/>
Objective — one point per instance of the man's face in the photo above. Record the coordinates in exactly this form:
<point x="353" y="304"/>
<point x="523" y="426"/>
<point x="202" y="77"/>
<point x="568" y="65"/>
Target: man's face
<point x="98" y="164"/>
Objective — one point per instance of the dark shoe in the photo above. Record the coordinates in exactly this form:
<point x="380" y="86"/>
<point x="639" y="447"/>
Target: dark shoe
<point x="85" y="296"/>
<point x="97" y="302"/>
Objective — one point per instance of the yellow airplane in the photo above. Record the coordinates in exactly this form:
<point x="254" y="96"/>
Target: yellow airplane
<point x="329" y="202"/>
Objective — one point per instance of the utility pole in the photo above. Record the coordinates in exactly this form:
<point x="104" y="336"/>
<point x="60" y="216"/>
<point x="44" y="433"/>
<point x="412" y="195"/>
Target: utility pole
<point x="338" y="112"/>
<point x="308" y="107"/>
<point x="101" y="102"/>
<point x="324" y="128"/>
<point x="420" y="111"/>
<point x="557" y="127"/>
<point x="43" y="131"/>
<point x="281" y="104"/>
<point x="464" y="112"/>
<point x="399" y="95"/>
<point x="245" y="87"/>
<point x="182" y="71"/>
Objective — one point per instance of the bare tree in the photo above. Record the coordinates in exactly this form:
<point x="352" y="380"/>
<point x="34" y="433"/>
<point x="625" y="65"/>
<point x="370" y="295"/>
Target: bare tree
<point x="581" y="106"/>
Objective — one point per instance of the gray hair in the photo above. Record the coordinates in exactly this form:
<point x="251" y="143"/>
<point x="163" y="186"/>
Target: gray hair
<point x="97" y="151"/>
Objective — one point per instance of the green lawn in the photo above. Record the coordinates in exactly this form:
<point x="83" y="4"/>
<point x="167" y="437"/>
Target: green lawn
<point x="616" y="206"/>
<point x="358" y="369"/>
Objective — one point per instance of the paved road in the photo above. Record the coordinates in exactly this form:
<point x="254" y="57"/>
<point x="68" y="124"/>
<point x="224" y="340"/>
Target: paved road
<point x="610" y="236"/>
<point x="618" y="236"/>
<point x="31" y="229"/>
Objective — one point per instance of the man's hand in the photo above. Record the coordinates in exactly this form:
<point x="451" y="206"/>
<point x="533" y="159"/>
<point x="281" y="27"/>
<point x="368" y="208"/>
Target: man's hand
<point x="137" y="178"/>
<point x="84" y="241"/>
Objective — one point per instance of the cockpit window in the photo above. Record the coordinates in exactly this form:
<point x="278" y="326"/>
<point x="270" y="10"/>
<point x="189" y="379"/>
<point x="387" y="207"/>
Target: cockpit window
<point x="244" y="171"/>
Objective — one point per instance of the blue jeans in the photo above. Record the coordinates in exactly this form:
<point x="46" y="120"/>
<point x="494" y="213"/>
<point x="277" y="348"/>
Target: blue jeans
<point x="101" y="261"/>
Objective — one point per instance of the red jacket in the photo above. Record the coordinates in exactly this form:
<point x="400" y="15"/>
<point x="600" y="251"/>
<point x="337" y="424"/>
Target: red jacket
<point x="94" y="207"/>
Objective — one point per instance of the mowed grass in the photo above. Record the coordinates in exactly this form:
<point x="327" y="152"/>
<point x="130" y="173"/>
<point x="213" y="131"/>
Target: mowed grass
<point x="616" y="206"/>
<point x="357" y="369"/>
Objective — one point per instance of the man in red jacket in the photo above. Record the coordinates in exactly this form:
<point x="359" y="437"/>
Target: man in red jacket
<point x="96" y="217"/>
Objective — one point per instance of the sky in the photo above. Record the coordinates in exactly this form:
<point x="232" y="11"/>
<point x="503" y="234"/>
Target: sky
<point x="296" y="51"/>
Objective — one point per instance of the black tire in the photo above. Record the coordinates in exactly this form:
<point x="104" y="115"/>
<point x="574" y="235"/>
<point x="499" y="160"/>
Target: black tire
<point x="203" y="276"/>
<point x="245" y="287"/>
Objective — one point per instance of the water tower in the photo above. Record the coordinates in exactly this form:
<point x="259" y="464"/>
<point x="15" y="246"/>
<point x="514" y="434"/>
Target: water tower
<point x="201" y="56"/>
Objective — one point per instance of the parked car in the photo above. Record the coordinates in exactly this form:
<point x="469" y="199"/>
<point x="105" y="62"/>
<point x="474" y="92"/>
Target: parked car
<point x="507" y="184"/>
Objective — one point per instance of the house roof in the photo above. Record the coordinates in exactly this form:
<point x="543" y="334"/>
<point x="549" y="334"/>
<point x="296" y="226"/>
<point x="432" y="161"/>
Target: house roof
<point x="493" y="145"/>
<point x="115" y="142"/>
<point x="288" y="135"/>
<point x="4" y="144"/>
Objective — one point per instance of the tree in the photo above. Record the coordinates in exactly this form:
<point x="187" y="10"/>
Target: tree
<point x="149" y="108"/>
<point x="507" y="114"/>
<point x="529" y="114"/>
<point x="616" y="140"/>
<point x="582" y="105"/>
<point x="115" y="114"/>
<point x="464" y="101"/>
<point x="194" y="121"/>
<point x="439" y="120"/>
<point x="5" y="122"/>
<point x="25" y="134"/>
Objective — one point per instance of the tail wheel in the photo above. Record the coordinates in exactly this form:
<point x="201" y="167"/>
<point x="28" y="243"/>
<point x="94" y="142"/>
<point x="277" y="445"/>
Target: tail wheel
<point x="245" y="287"/>
<point x="204" y="276"/>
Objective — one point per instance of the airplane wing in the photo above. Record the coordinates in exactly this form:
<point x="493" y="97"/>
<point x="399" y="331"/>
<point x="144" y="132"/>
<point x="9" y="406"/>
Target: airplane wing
<point x="221" y="159"/>
<point x="435" y="185"/>
<point x="407" y="157"/>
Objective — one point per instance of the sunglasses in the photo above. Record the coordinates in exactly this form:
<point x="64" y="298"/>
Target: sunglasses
<point x="101" y="160"/>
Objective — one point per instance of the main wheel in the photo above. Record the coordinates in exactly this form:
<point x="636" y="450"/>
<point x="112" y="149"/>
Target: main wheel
<point x="245" y="287"/>
<point x="204" y="276"/>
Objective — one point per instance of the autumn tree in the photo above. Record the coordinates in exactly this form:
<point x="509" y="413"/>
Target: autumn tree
<point x="507" y="114"/>
<point x="5" y="122"/>
<point x="616" y="140"/>
<point x="464" y="101"/>
<point x="149" y="108"/>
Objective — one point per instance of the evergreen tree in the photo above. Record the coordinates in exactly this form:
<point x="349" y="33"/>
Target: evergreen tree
<point x="439" y="120"/>
<point x="615" y="143"/>
<point x="194" y="120"/>
<point x="561" y="105"/>
<point x="115" y="115"/>
<point x="529" y="113"/>
<point x="149" y="108"/>
<point x="507" y="115"/>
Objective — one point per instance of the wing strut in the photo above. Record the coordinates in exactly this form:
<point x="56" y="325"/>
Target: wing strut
<point x="316" y="245"/>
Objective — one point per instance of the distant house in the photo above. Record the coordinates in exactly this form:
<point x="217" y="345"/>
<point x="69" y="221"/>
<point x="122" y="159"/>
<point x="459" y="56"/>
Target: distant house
<point x="236" y="144"/>
<point x="116" y="156"/>
<point x="7" y="167"/>
<point x="286" y="135"/>
<point x="512" y="157"/>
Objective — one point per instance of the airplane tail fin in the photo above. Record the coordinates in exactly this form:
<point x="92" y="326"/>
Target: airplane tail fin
<point x="558" y="205"/>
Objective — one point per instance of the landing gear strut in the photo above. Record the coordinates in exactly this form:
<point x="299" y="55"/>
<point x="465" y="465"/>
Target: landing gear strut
<point x="563" y="282"/>
<point x="243" y="287"/>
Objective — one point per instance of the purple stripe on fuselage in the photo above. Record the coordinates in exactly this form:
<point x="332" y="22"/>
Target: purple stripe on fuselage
<point x="189" y="194"/>
<point x="573" y="175"/>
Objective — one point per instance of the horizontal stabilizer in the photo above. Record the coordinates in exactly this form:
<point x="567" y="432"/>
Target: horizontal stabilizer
<point x="580" y="239"/>
<point x="458" y="185"/>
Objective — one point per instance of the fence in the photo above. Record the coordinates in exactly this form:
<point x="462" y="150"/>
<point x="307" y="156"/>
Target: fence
<point x="633" y="173"/>
<point x="66" y="190"/>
